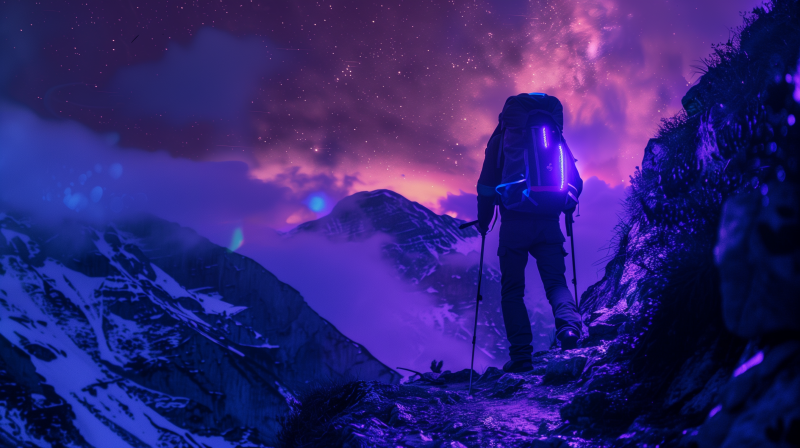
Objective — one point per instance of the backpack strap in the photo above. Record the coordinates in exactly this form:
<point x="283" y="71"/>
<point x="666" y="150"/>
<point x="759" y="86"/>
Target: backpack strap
<point x="527" y="191"/>
<point x="500" y="148"/>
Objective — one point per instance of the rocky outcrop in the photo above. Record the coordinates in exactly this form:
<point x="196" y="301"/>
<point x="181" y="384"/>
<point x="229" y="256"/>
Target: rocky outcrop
<point x="759" y="258"/>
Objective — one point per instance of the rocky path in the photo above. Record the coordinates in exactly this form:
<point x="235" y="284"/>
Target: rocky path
<point x="435" y="410"/>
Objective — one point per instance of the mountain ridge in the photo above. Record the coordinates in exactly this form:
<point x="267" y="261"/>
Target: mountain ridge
<point x="177" y="339"/>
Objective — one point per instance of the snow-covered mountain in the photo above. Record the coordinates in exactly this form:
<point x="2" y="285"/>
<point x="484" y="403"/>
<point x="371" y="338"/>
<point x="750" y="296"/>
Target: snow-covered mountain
<point x="144" y="334"/>
<point x="432" y="253"/>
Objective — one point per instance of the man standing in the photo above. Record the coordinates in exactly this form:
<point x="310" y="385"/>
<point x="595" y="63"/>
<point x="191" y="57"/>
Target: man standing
<point x="530" y="172"/>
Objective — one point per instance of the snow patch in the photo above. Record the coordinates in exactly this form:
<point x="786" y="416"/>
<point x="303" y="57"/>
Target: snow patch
<point x="465" y="246"/>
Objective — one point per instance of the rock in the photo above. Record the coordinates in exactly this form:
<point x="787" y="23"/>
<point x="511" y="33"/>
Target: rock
<point x="352" y="438"/>
<point x="461" y="376"/>
<point x="550" y="442"/>
<point x="436" y="402"/>
<point x="691" y="378"/>
<point x="507" y="385"/>
<point x="430" y="377"/>
<point x="617" y="319"/>
<point x="417" y="438"/>
<point x="654" y="152"/>
<point x="491" y="374"/>
<point x="704" y="400"/>
<point x="757" y="255"/>
<point x="758" y="407"/>
<point x="450" y="398"/>
<point x="453" y="427"/>
<point x="607" y="378"/>
<point x="399" y="415"/>
<point x="602" y="330"/>
<point x="626" y="328"/>
<point x="588" y="405"/>
<point x="543" y="428"/>
<point x="561" y="370"/>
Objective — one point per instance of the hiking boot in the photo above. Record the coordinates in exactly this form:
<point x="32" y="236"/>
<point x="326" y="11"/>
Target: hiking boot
<point x="517" y="366"/>
<point x="569" y="339"/>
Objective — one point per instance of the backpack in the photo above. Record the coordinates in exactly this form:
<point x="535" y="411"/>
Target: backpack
<point x="535" y="160"/>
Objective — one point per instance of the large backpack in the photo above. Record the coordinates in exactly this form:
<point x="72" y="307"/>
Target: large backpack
<point x="536" y="163"/>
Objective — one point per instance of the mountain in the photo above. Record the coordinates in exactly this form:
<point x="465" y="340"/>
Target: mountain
<point x="145" y="334"/>
<point x="430" y="252"/>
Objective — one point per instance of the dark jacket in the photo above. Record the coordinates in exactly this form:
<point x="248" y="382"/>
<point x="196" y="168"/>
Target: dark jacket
<point x="491" y="177"/>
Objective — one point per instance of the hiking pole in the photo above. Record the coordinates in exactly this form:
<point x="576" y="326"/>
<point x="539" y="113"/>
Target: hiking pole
<point x="477" y="303"/>
<point x="568" y="222"/>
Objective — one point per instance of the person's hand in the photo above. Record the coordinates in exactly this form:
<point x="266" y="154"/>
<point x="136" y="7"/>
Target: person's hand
<point x="485" y="213"/>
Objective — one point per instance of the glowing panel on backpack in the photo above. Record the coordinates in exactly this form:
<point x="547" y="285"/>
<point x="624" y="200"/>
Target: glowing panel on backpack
<point x="561" y="163"/>
<point x="544" y="135"/>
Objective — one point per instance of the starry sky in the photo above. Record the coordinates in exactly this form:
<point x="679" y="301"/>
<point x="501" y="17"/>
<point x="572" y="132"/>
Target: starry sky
<point x="334" y="97"/>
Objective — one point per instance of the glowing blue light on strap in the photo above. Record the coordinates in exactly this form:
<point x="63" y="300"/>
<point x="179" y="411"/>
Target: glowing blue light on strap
<point x="544" y="134"/>
<point x="497" y="188"/>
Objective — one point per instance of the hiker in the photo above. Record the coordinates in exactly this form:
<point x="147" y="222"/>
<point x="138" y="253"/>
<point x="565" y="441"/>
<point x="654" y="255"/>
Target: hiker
<point x="530" y="172"/>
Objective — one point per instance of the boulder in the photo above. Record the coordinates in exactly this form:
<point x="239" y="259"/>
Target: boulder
<point x="758" y="407"/>
<point x="507" y="385"/>
<point x="399" y="415"/>
<point x="561" y="370"/>
<point x="602" y="330"/>
<point x="550" y="442"/>
<point x="692" y="102"/>
<point x="607" y="378"/>
<point x="592" y="404"/>
<point x="757" y="254"/>
<point x="491" y="374"/>
<point x="461" y="376"/>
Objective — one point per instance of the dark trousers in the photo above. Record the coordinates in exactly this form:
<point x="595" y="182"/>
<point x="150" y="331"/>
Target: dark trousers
<point x="543" y="240"/>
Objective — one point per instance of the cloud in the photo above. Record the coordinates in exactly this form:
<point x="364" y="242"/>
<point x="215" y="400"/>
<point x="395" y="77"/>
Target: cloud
<point x="63" y="169"/>
<point x="213" y="78"/>
<point x="351" y="285"/>
<point x="462" y="205"/>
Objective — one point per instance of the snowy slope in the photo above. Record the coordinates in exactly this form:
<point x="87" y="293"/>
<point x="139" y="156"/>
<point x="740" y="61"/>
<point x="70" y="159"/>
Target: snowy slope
<point x="145" y="334"/>
<point x="432" y="253"/>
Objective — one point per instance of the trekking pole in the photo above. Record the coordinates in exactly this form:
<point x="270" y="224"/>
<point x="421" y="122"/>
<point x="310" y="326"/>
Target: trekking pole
<point x="477" y="303"/>
<point x="570" y="233"/>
